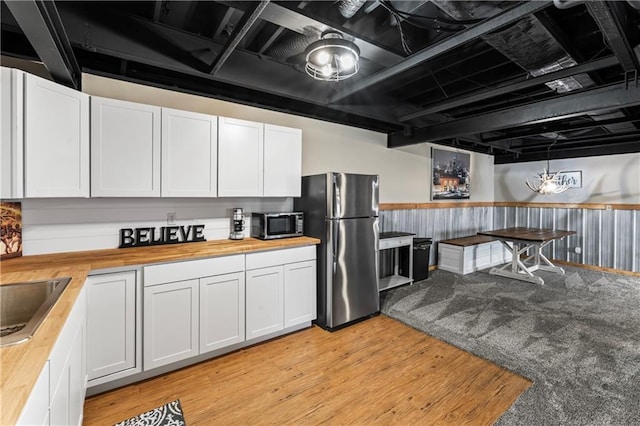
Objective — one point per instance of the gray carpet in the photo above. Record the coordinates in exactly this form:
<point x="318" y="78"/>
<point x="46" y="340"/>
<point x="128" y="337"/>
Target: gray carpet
<point x="577" y="338"/>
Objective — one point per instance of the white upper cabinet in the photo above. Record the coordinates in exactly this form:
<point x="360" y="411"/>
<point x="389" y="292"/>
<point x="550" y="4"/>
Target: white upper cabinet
<point x="256" y="159"/>
<point x="125" y="149"/>
<point x="240" y="158"/>
<point x="189" y="154"/>
<point x="282" y="161"/>
<point x="56" y="140"/>
<point x="11" y="148"/>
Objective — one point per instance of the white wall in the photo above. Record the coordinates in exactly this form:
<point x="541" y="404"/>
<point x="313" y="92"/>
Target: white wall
<point x="606" y="179"/>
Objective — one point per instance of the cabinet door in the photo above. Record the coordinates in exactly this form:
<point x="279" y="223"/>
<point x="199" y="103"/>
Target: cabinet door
<point x="170" y="323"/>
<point x="189" y="154"/>
<point x="125" y="149"/>
<point x="111" y="323"/>
<point x="282" y="161"/>
<point x="67" y="398"/>
<point x="221" y="311"/>
<point x="264" y="311"/>
<point x="36" y="409"/>
<point x="77" y="377"/>
<point x="299" y="293"/>
<point x="59" y="413"/>
<point x="11" y="142"/>
<point x="56" y="140"/>
<point x="240" y="158"/>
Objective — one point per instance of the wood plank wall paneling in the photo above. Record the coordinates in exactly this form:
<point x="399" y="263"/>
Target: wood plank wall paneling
<point x="435" y="205"/>
<point x="378" y="371"/>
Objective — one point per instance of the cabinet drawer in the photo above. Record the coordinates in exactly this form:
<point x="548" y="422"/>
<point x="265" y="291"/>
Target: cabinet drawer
<point x="280" y="257"/>
<point x="181" y="271"/>
<point x="388" y="243"/>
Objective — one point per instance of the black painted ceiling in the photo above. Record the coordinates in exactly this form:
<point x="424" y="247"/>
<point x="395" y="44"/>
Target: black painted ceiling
<point x="522" y="81"/>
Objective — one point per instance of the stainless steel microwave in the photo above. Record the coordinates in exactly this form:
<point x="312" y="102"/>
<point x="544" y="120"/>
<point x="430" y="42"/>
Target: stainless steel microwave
<point x="268" y="226"/>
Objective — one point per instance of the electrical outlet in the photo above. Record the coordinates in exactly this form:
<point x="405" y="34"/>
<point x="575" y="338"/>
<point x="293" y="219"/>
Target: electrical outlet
<point x="171" y="218"/>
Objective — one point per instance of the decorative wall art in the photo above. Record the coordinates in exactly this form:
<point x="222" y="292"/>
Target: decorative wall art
<point x="571" y="179"/>
<point x="451" y="175"/>
<point x="10" y="230"/>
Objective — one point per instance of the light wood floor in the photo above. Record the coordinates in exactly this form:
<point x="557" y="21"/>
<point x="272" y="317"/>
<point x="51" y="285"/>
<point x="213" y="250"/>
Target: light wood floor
<point x="378" y="371"/>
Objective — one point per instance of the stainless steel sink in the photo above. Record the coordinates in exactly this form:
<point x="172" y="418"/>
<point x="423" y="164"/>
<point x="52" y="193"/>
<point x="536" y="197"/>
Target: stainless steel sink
<point x="24" y="305"/>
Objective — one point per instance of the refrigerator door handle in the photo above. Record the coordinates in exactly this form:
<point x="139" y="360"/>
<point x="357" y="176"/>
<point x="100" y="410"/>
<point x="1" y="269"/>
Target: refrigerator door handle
<point x="335" y="238"/>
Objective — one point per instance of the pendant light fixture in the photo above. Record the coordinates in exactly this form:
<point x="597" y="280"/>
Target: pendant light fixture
<point x="332" y="58"/>
<point x="548" y="182"/>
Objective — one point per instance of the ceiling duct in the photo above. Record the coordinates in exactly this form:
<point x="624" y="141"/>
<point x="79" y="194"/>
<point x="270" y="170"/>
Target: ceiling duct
<point x="527" y="43"/>
<point x="293" y="44"/>
<point x="348" y="8"/>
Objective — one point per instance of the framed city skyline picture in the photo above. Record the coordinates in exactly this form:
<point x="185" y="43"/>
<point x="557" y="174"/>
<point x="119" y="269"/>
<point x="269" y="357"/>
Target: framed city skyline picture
<point x="451" y="175"/>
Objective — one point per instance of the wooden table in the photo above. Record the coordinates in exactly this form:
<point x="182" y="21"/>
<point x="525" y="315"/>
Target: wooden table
<point x="522" y="240"/>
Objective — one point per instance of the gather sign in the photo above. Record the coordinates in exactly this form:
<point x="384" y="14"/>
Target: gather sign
<point x="151" y="236"/>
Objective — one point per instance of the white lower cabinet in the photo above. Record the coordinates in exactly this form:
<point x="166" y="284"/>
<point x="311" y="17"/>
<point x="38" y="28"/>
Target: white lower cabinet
<point x="265" y="314"/>
<point x="221" y="311"/>
<point x="113" y="326"/>
<point x="281" y="289"/>
<point x="170" y="323"/>
<point x="36" y="410"/>
<point x="191" y="308"/>
<point x="299" y="293"/>
<point x="58" y="396"/>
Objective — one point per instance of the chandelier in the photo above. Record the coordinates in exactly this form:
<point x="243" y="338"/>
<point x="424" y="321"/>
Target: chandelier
<point x="332" y="58"/>
<point x="548" y="182"/>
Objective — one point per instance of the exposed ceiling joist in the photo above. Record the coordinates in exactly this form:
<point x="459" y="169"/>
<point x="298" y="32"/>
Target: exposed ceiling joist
<point x="580" y="141"/>
<point x="572" y="152"/>
<point x="606" y="15"/>
<point x="248" y="19"/>
<point x="223" y="23"/>
<point x="604" y="98"/>
<point x="505" y="18"/>
<point x="560" y="127"/>
<point x="510" y="87"/>
<point x="43" y="27"/>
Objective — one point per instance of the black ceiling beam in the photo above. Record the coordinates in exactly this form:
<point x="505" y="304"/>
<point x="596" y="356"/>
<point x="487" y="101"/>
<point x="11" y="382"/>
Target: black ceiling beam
<point x="560" y="127"/>
<point x="510" y="86"/>
<point x="610" y="97"/>
<point x="248" y="19"/>
<point x="580" y="141"/>
<point x="157" y="10"/>
<point x="223" y="22"/>
<point x="41" y="23"/>
<point x="627" y="147"/>
<point x="606" y="15"/>
<point x="507" y="17"/>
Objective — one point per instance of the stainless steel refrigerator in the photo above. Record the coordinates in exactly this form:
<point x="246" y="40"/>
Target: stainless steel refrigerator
<point x="341" y="209"/>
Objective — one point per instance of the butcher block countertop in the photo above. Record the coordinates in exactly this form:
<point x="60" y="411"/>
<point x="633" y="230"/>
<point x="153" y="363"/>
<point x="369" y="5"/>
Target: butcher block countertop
<point x="21" y="364"/>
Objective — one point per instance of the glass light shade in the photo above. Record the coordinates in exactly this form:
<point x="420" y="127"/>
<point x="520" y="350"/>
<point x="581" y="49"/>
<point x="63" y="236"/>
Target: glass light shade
<point x="549" y="184"/>
<point x="332" y="58"/>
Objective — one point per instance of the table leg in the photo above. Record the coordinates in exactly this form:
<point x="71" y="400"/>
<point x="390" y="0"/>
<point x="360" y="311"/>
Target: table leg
<point x="541" y="261"/>
<point x="519" y="270"/>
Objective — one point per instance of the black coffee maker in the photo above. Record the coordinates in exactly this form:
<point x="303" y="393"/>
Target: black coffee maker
<point x="237" y="224"/>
